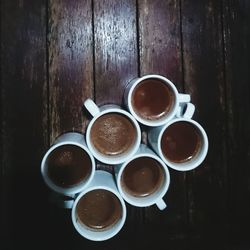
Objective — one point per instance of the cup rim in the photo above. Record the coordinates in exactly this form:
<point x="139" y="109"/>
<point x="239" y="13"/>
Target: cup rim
<point x="67" y="190"/>
<point x="153" y="123"/>
<point x="185" y="166"/>
<point x="112" y="160"/>
<point x="162" y="192"/>
<point x="84" y="232"/>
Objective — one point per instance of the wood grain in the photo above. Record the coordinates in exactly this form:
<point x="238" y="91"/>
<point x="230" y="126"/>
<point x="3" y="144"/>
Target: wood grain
<point x="237" y="39"/>
<point x="70" y="64"/>
<point x="115" y="48"/>
<point x="204" y="80"/>
<point x="115" y="63"/>
<point x="55" y="54"/>
<point x="160" y="53"/>
<point x="24" y="118"/>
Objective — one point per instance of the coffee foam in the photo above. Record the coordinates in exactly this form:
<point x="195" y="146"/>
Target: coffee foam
<point x="98" y="210"/>
<point x="113" y="134"/>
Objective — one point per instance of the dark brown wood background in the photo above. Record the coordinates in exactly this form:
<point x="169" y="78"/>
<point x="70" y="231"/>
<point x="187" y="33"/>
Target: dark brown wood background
<point x="55" y="54"/>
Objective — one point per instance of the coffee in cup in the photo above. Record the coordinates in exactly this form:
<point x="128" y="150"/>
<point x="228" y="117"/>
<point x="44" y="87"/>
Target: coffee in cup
<point x="152" y="99"/>
<point x="181" y="142"/>
<point x="99" y="212"/>
<point x="98" y="209"/>
<point x="113" y="134"/>
<point x="68" y="165"/>
<point x="142" y="176"/>
<point x="144" y="179"/>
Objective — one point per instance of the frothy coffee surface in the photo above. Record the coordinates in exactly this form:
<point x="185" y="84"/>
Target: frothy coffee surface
<point x="99" y="209"/>
<point x="68" y="165"/>
<point x="181" y="141"/>
<point x="152" y="99"/>
<point x="113" y="134"/>
<point x="142" y="176"/>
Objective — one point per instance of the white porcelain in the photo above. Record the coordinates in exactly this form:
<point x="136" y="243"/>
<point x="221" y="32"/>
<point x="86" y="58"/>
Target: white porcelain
<point x="101" y="180"/>
<point x="71" y="138"/>
<point x="179" y="99"/>
<point x="155" y="136"/>
<point x="97" y="112"/>
<point x="155" y="198"/>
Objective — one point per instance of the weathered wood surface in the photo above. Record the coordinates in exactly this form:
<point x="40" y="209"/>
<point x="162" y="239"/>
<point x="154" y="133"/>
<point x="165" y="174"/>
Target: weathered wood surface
<point x="204" y="78"/>
<point x="160" y="53"/>
<point x="55" y="54"/>
<point x="24" y="123"/>
<point x="236" y="33"/>
<point x="115" y="48"/>
<point x="70" y="64"/>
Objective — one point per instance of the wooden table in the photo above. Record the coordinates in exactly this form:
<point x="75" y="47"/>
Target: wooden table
<point x="55" y="54"/>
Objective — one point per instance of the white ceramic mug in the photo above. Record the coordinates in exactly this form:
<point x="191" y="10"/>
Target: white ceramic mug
<point x="155" y="139"/>
<point x="178" y="99"/>
<point x="102" y="181"/>
<point x="70" y="138"/>
<point x="156" y="197"/>
<point x="97" y="112"/>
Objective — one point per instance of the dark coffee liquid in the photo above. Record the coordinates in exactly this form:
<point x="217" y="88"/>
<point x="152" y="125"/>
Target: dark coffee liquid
<point x="180" y="142"/>
<point x="99" y="209"/>
<point x="113" y="134"/>
<point x="68" y="165"/>
<point x="142" y="176"/>
<point x="152" y="99"/>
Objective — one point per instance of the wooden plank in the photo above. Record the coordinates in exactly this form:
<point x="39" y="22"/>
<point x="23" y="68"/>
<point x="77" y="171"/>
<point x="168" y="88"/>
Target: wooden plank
<point x="204" y="79"/>
<point x="160" y="53"/>
<point x="24" y="120"/>
<point x="70" y="78"/>
<point x="115" y="64"/>
<point x="70" y="69"/>
<point x="237" y="50"/>
<point x="70" y="64"/>
<point x="115" y="48"/>
<point x="159" y="36"/>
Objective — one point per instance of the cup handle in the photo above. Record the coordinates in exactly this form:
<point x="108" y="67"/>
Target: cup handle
<point x="161" y="204"/>
<point x="185" y="110"/>
<point x="184" y="97"/>
<point x="91" y="107"/>
<point x="189" y="112"/>
<point x="58" y="200"/>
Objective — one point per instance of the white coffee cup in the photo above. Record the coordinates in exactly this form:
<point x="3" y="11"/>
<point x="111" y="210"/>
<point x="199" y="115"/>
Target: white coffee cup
<point x="155" y="138"/>
<point x="178" y="99"/>
<point x="156" y="197"/>
<point x="104" y="181"/>
<point x="97" y="112"/>
<point x="70" y="138"/>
